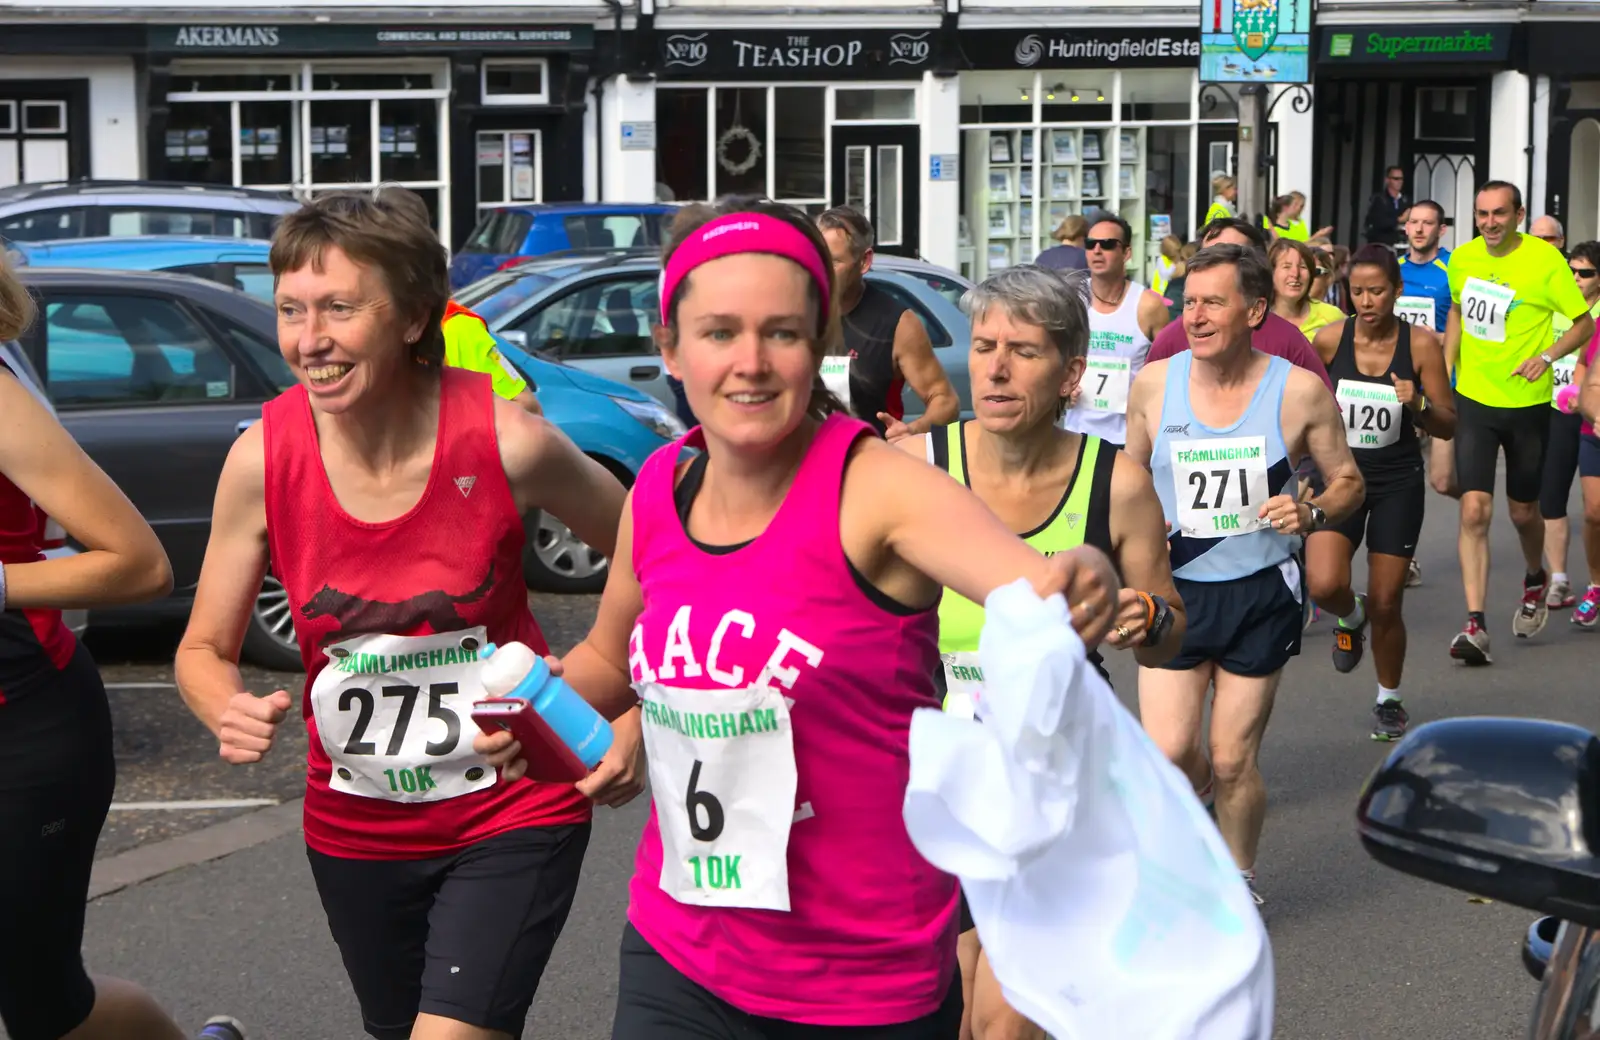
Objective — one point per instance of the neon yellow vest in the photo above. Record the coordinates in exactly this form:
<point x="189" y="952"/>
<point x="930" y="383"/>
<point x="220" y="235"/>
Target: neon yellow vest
<point x="960" y="619"/>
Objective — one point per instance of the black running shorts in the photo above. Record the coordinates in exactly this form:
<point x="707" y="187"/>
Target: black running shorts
<point x="1481" y="433"/>
<point x="464" y="936"/>
<point x="56" y="778"/>
<point x="1390" y="517"/>
<point x="1589" y="456"/>
<point x="1560" y="464"/>
<point x="655" y="1001"/>
<point x="1249" y="626"/>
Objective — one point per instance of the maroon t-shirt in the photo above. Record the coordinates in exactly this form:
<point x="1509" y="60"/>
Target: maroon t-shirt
<point x="1276" y="336"/>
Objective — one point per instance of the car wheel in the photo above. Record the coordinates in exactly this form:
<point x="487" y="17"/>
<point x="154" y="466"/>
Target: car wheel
<point x="269" y="641"/>
<point x="556" y="560"/>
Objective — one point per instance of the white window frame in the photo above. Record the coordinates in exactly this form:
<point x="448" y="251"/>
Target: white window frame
<point x="505" y="169"/>
<point x="303" y="94"/>
<point x="828" y="123"/>
<point x="490" y="100"/>
<point x="58" y="106"/>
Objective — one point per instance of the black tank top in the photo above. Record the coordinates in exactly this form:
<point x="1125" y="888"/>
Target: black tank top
<point x="1372" y="421"/>
<point x="869" y="342"/>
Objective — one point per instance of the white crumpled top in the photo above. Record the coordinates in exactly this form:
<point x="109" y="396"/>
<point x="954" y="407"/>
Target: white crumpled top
<point x="1105" y="897"/>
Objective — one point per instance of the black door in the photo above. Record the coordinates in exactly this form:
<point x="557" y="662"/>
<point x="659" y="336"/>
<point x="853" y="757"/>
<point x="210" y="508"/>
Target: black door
<point x="875" y="170"/>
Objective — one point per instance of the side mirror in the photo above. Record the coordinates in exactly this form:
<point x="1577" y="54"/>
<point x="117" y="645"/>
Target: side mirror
<point x="516" y="337"/>
<point x="1503" y="808"/>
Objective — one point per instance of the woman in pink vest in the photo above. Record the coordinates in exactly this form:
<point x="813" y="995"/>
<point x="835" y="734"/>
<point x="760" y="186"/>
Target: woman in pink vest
<point x="771" y="607"/>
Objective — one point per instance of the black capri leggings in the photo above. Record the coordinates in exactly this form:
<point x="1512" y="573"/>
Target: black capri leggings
<point x="1560" y="464"/>
<point x="56" y="778"/>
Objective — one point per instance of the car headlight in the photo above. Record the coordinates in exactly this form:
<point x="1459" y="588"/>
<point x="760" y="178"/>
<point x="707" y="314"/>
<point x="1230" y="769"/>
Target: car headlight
<point x="655" y="417"/>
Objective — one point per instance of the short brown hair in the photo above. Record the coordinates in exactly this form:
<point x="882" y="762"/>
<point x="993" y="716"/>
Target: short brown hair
<point x="1255" y="278"/>
<point x="1071" y="227"/>
<point x="855" y="225"/>
<point x="387" y="228"/>
<point x="830" y="334"/>
<point x="16" y="306"/>
<point x="1289" y="245"/>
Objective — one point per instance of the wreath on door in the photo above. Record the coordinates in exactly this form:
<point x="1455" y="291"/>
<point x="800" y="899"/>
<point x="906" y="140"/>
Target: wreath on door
<point x="736" y="135"/>
<point x="727" y="143"/>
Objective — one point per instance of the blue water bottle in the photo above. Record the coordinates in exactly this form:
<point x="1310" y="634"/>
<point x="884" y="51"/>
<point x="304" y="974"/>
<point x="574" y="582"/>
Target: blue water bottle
<point x="515" y="671"/>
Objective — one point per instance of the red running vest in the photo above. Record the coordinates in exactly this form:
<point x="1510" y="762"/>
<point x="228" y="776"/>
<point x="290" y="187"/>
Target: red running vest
<point x="34" y="644"/>
<point x="453" y="562"/>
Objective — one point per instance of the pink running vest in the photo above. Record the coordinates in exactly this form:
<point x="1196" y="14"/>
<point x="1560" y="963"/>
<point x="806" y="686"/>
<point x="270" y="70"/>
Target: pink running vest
<point x="870" y="936"/>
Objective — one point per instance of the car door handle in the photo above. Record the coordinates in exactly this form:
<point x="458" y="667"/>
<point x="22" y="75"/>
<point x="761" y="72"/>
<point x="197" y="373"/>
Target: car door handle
<point x="643" y="373"/>
<point x="244" y="424"/>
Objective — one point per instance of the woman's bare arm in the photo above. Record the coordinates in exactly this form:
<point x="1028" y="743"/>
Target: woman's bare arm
<point x="123" y="561"/>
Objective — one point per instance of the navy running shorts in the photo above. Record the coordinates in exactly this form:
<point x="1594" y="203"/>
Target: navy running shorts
<point x="1588" y="456"/>
<point x="1249" y="626"/>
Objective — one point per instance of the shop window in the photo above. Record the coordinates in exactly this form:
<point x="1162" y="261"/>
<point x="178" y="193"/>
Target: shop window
<point x="884" y="104"/>
<point x="799" y="149"/>
<point x="8" y="117"/>
<point x="741" y="140"/>
<point x="130" y="350"/>
<point x="681" y="157"/>
<point x="1585" y="96"/>
<point x="334" y="79"/>
<point x="1156" y="95"/>
<point x="197" y="142"/>
<point x="268" y="131"/>
<point x="408" y="140"/>
<point x="515" y="83"/>
<point x="44" y="117"/>
<point x="234" y="82"/>
<point x="1447" y="113"/>
<point x="886" y="211"/>
<point x="341" y="142"/>
<point x="509" y="162"/>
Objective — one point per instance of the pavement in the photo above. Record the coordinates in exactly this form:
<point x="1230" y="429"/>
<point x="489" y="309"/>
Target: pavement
<point x="214" y="910"/>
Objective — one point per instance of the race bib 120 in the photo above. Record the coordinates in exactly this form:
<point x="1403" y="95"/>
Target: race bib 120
<point x="394" y="714"/>
<point x="1483" y="309"/>
<point x="1372" y="413"/>
<point x="1220" y="485"/>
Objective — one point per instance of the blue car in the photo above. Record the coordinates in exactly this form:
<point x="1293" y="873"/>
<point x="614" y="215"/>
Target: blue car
<point x="239" y="263"/>
<point x="508" y="233"/>
<point x="614" y="424"/>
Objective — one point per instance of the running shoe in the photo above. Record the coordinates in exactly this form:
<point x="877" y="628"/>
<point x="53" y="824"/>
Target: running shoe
<point x="1390" y="721"/>
<point x="1413" y="574"/>
<point x="1471" y="644"/>
<point x="1312" y="617"/>
<point x="1561" y="597"/>
<point x="1531" y="615"/>
<point x="221" y="1027"/>
<point x="1348" y="642"/>
<point x="1250" y="883"/>
<point x="1587" y="612"/>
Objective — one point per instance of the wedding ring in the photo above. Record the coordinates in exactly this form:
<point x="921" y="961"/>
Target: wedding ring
<point x="1122" y="632"/>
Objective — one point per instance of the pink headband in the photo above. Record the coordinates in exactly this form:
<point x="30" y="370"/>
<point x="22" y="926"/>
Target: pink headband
<point x="743" y="233"/>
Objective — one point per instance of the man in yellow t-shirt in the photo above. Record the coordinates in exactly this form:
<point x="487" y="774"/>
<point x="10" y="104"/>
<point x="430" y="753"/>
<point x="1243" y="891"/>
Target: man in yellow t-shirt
<point x="468" y="344"/>
<point x="1505" y="290"/>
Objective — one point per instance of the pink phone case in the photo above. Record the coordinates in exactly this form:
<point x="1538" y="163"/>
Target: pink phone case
<point x="549" y="759"/>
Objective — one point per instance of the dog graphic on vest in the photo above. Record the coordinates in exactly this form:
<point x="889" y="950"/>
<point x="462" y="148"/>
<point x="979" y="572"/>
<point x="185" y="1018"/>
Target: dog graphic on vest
<point x="436" y="609"/>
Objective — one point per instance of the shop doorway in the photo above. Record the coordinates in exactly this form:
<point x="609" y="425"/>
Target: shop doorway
<point x="875" y="170"/>
<point x="41" y="136"/>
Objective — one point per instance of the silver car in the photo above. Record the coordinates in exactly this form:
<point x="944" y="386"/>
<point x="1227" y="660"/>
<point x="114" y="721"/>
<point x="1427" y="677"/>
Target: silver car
<point x="595" y="312"/>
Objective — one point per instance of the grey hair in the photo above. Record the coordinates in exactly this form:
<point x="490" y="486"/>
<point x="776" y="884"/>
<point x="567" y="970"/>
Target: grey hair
<point x="1056" y="301"/>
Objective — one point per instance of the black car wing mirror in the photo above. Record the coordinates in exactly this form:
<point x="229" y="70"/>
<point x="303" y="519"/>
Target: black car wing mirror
<point x="1508" y="809"/>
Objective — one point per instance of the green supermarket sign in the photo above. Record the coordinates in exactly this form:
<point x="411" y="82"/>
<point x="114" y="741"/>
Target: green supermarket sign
<point x="1434" y="43"/>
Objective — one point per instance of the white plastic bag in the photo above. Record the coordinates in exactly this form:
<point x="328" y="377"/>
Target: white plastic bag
<point x="1107" y="902"/>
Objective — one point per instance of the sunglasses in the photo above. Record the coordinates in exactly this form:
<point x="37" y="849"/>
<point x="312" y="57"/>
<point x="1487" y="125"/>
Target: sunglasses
<point x="1584" y="272"/>
<point x="1107" y="244"/>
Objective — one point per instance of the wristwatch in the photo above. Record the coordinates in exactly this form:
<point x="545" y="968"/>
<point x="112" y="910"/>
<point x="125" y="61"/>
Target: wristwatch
<point x="1159" y="621"/>
<point x="1547" y="359"/>
<point x="1319" y="519"/>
